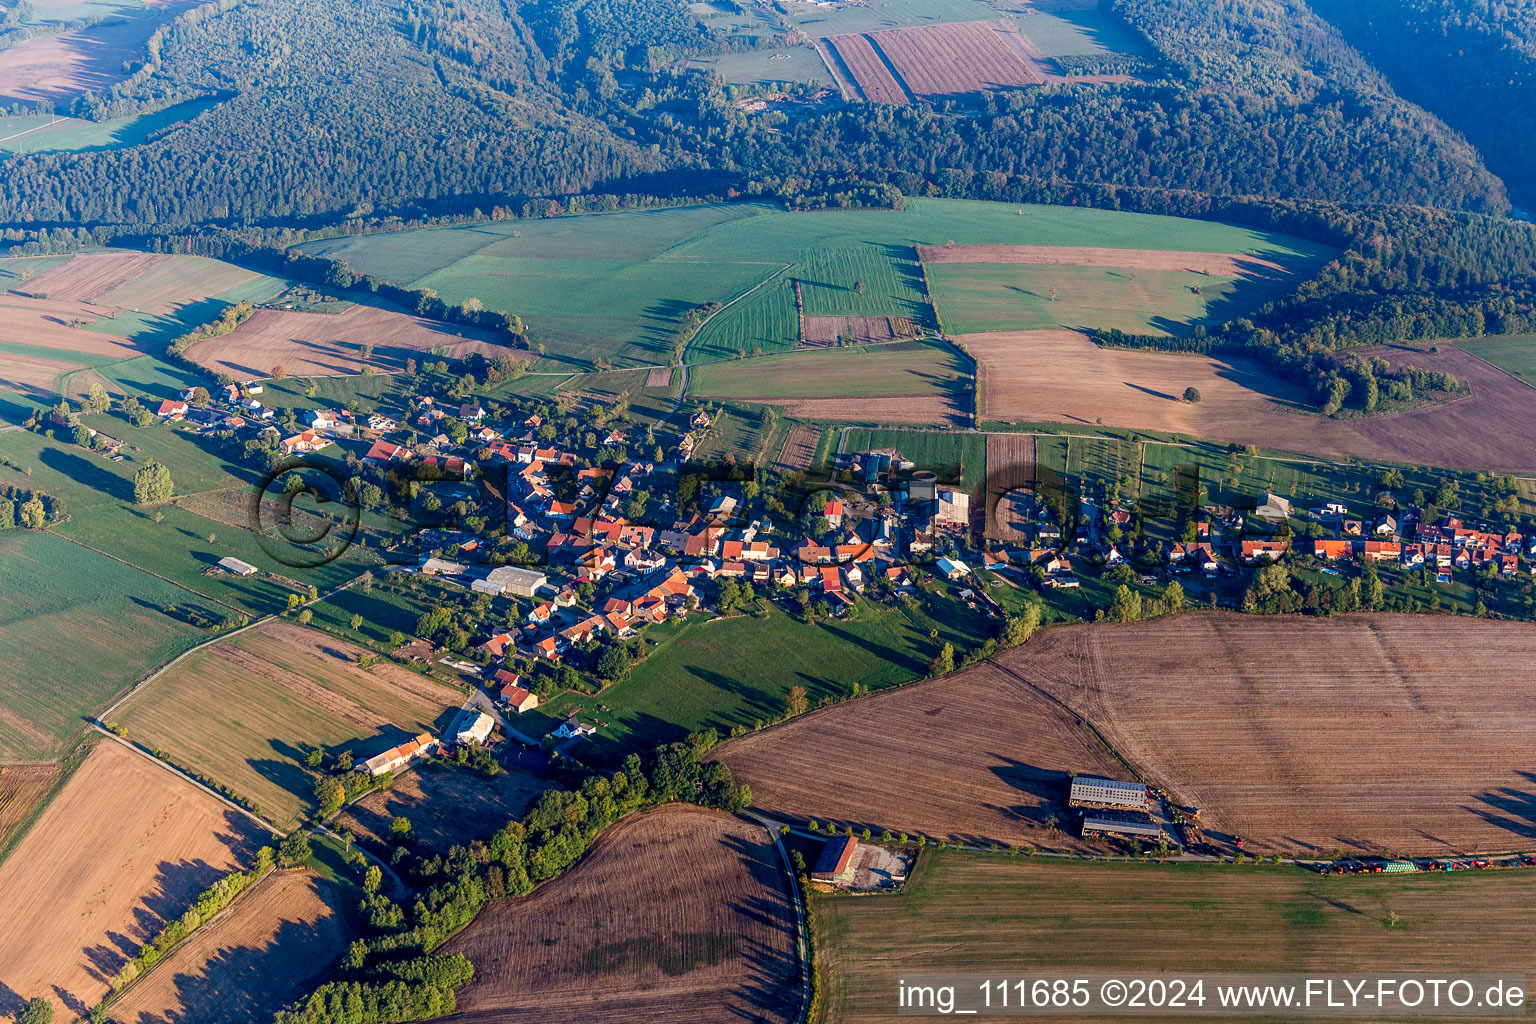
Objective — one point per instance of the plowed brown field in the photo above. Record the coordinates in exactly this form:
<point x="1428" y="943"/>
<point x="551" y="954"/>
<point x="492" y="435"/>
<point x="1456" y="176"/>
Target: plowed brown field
<point x="330" y="344"/>
<point x="278" y="941"/>
<point x="799" y="449"/>
<point x="1010" y="472"/>
<point x="676" y="916"/>
<point x="945" y="60"/>
<point x="48" y="325"/>
<point x="125" y="847"/>
<point x="977" y="757"/>
<point x="1408" y="734"/>
<point x="868" y="69"/>
<point x="1361" y="733"/>
<point x="21" y="787"/>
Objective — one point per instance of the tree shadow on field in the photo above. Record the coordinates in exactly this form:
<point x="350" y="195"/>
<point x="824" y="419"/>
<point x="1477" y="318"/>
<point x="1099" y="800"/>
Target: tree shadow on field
<point x="1511" y="809"/>
<point x="770" y="983"/>
<point x="248" y="984"/>
<point x="1046" y="786"/>
<point x="11" y="1002"/>
<point x="85" y="471"/>
<point x="1150" y="391"/>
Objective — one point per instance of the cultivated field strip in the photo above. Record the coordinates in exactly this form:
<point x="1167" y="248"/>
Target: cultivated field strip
<point x="1220" y="264"/>
<point x="1412" y="734"/>
<point x="677" y="916"/>
<point x="869" y="70"/>
<point x="945" y="60"/>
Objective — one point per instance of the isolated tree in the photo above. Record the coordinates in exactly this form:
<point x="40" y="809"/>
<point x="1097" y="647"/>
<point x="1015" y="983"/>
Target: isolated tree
<point x="860" y="287"/>
<point x="356" y="622"/>
<point x="373" y="879"/>
<point x="1191" y="394"/>
<point x="37" y="1011"/>
<point x="152" y="484"/>
<point x="797" y="702"/>
<point x="305" y="616"/>
<point x="400" y="828"/>
<point x="279" y="372"/>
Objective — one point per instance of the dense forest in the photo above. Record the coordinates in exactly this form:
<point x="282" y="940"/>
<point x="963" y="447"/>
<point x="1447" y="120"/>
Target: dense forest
<point x="426" y="107"/>
<point x="1472" y="63"/>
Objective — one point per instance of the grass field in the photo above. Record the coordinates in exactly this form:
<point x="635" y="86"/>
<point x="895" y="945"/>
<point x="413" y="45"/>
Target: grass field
<point x="625" y="279"/>
<point x="738" y="671"/>
<point x="1513" y="353"/>
<point x="677" y="914"/>
<point x="75" y="628"/>
<point x="902" y="368"/>
<point x="246" y="712"/>
<point x="969" y="912"/>
<point x="766" y="67"/>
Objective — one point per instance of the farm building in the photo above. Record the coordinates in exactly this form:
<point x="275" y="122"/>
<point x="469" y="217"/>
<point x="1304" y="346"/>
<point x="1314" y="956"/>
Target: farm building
<point x="836" y="861"/>
<point x="1272" y="506"/>
<point x="1090" y="791"/>
<point x="509" y="579"/>
<point x="235" y="566"/>
<point x="1122" y="824"/>
<point x="442" y="567"/>
<point x="473" y="726"/>
<point x="398" y="757"/>
<point x="952" y="505"/>
<point x="952" y="568"/>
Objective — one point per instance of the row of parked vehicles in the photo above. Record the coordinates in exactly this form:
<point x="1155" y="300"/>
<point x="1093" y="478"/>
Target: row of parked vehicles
<point x="1375" y="866"/>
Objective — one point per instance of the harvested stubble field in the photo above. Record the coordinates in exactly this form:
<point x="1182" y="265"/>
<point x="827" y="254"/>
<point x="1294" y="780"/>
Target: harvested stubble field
<point x="30" y="375"/>
<point x="1219" y="264"/>
<point x="799" y="450"/>
<point x="1358" y="733"/>
<point x="1010" y="472"/>
<point x="869" y="70"/>
<point x="677" y="916"/>
<point x="281" y="938"/>
<point x="947" y="60"/>
<point x="280" y="690"/>
<point x="1062" y="377"/>
<point x="330" y="344"/>
<point x="973" y="757"/>
<point x="125" y="847"/>
<point x="970" y="912"/>
<point x="447" y="807"/>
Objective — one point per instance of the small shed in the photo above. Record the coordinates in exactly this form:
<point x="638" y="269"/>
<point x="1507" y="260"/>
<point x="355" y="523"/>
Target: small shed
<point x="236" y="567"/>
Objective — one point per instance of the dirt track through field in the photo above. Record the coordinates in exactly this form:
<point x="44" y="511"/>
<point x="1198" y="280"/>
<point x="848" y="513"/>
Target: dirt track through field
<point x="278" y="941"/>
<point x="124" y="848"/>
<point x="676" y="916"/>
